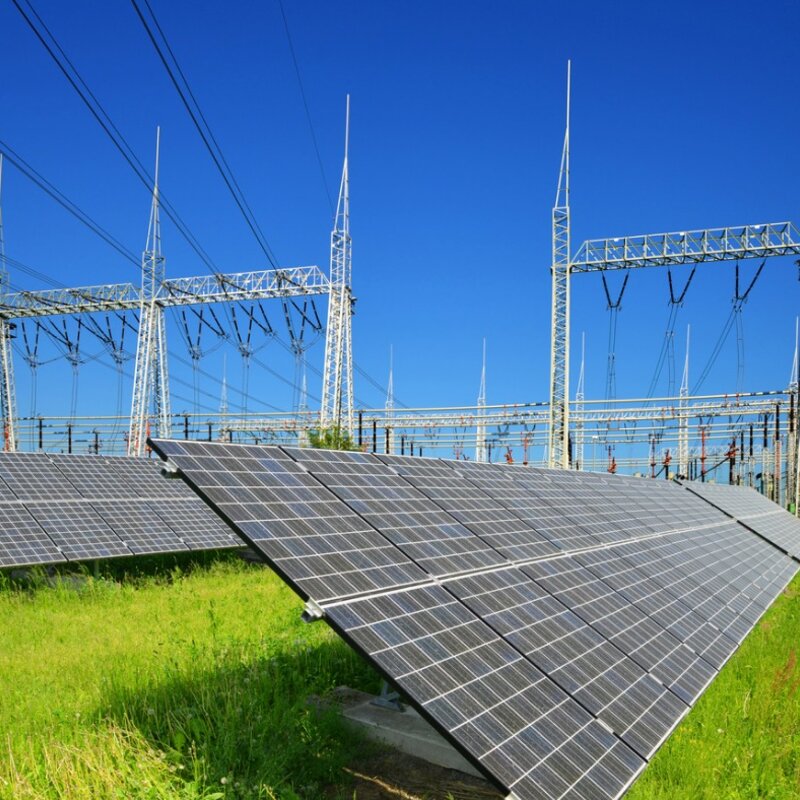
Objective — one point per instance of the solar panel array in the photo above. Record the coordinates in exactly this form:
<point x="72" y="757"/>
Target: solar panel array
<point x="755" y="511"/>
<point x="60" y="508"/>
<point x="555" y="626"/>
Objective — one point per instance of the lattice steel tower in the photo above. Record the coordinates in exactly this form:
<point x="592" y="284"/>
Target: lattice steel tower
<point x="337" y="377"/>
<point x="151" y="376"/>
<point x="558" y="442"/>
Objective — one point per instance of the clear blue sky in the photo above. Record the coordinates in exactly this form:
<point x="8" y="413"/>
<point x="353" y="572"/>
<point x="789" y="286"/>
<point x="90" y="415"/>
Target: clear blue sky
<point x="684" y="116"/>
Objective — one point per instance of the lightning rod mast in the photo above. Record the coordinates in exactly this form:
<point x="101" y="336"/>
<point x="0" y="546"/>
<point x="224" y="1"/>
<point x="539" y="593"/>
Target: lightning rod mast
<point x="8" y="398"/>
<point x="150" y="377"/>
<point x="558" y="441"/>
<point x="336" y="410"/>
<point x="480" y="437"/>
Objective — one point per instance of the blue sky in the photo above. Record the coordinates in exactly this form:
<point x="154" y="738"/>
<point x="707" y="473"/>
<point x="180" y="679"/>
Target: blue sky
<point x="684" y="116"/>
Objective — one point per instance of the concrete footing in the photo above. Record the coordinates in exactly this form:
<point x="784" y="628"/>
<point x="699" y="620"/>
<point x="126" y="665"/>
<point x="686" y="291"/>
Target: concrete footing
<point x="405" y="730"/>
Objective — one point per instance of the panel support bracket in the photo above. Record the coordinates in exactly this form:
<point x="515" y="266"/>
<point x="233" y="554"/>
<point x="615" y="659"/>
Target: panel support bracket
<point x="313" y="611"/>
<point x="388" y="699"/>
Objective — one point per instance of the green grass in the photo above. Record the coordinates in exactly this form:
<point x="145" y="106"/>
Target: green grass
<point x="193" y="684"/>
<point x="742" y="739"/>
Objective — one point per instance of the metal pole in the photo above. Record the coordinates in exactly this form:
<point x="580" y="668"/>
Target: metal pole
<point x="69" y="437"/>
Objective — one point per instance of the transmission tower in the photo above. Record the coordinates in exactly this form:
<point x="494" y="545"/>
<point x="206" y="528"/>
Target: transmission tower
<point x="336" y="409"/>
<point x="558" y="443"/>
<point x="150" y="377"/>
<point x="8" y="397"/>
<point x="480" y="430"/>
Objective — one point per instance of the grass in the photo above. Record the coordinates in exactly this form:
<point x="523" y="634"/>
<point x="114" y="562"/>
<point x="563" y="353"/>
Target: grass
<point x="742" y="739"/>
<point x="192" y="684"/>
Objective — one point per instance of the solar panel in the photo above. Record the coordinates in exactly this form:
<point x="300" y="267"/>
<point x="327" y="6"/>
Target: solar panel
<point x="311" y="537"/>
<point x="755" y="511"/>
<point x="33" y="476"/>
<point x="501" y="711"/>
<point x="23" y="543"/>
<point x="432" y="538"/>
<point x="580" y="660"/>
<point x="625" y="625"/>
<point x="78" y="530"/>
<point x="57" y="508"/>
<point x="559" y="674"/>
<point x="138" y="525"/>
<point x="195" y="524"/>
<point x="562" y="529"/>
<point x="472" y="507"/>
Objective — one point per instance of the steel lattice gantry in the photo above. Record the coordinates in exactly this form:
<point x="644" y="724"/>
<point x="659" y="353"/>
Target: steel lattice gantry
<point x="630" y="252"/>
<point x="257" y="285"/>
<point x="764" y="240"/>
<point x="157" y="292"/>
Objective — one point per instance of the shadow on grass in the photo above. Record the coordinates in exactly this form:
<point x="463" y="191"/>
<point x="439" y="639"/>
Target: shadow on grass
<point x="239" y="723"/>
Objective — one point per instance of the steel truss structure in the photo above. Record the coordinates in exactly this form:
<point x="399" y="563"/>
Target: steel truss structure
<point x="151" y="397"/>
<point x="763" y="241"/>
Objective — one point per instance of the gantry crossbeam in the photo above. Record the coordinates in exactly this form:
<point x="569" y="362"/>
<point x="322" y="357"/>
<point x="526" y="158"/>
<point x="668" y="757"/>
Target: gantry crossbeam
<point x="217" y="288"/>
<point x="688" y="247"/>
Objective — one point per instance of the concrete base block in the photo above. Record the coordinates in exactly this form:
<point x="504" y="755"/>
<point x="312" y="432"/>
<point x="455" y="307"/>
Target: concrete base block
<point x="405" y="730"/>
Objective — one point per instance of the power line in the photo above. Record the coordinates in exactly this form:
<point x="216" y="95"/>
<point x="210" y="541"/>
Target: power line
<point x="305" y="106"/>
<point x="204" y="130"/>
<point x="106" y="123"/>
<point x="47" y="187"/>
